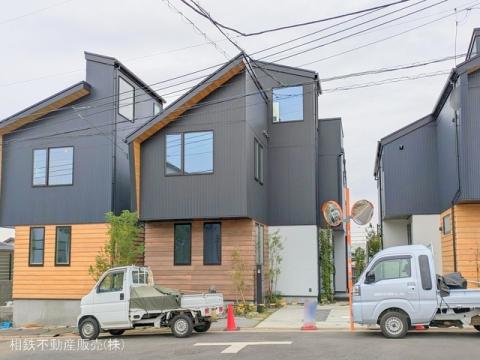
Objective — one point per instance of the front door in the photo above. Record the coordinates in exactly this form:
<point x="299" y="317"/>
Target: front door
<point x="111" y="305"/>
<point x="390" y="278"/>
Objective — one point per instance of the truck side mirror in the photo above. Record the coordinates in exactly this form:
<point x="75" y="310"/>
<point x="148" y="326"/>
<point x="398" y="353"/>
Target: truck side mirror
<point x="370" y="278"/>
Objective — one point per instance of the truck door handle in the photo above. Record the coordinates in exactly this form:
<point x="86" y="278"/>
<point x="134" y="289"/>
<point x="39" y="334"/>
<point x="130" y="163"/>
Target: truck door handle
<point x="122" y="296"/>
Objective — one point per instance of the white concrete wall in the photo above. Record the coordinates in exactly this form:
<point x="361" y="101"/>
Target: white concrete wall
<point x="425" y="231"/>
<point x="46" y="312"/>
<point x="299" y="268"/>
<point x="6" y="233"/>
<point x="395" y="233"/>
<point x="340" y="254"/>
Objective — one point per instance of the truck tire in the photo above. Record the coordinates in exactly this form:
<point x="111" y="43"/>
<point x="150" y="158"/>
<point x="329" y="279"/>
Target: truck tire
<point x="477" y="327"/>
<point x="181" y="326"/>
<point x="203" y="327"/>
<point x="394" y="324"/>
<point x="89" y="329"/>
<point x="116" y="332"/>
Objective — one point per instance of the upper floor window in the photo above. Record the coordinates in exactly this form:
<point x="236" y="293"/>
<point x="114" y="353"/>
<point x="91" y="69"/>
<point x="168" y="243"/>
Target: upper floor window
<point x="53" y="166"/>
<point x="287" y="104"/>
<point x="126" y="99"/>
<point x="258" y="161"/>
<point x="189" y="153"/>
<point x="156" y="108"/>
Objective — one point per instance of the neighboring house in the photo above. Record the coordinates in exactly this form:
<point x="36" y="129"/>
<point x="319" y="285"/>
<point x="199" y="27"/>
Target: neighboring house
<point x="231" y="161"/>
<point x="6" y="272"/>
<point x="67" y="165"/>
<point x="10" y="240"/>
<point x="428" y="175"/>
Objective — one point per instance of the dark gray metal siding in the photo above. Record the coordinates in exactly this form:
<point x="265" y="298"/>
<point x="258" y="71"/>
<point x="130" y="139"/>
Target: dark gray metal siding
<point x="90" y="196"/>
<point x="470" y="139"/>
<point x="330" y="162"/>
<point x="221" y="194"/>
<point x="410" y="175"/>
<point x="256" y="111"/>
<point x="446" y="157"/>
<point x="292" y="155"/>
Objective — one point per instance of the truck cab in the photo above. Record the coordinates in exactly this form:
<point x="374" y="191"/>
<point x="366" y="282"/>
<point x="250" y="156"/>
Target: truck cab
<point x="398" y="290"/>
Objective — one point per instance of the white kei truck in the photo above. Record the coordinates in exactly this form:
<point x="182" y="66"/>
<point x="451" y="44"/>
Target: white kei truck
<point x="126" y="297"/>
<point x="400" y="289"/>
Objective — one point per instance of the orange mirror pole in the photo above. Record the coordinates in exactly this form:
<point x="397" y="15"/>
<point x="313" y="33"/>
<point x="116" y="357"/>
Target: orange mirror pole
<point x="349" y="255"/>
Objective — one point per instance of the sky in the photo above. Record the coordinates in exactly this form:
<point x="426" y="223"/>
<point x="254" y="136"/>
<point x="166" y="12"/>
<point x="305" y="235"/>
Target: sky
<point x="43" y="43"/>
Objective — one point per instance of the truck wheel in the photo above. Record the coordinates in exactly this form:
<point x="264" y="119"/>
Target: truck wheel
<point x="477" y="327"/>
<point x="203" y="327"/>
<point x="181" y="326"/>
<point x="116" y="332"/>
<point x="89" y="329"/>
<point x="394" y="325"/>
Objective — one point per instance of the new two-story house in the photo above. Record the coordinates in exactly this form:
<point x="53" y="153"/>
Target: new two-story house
<point x="428" y="175"/>
<point x="233" y="160"/>
<point x="67" y="165"/>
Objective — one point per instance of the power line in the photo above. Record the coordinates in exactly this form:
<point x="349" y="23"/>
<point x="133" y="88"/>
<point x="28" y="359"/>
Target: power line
<point x="358" y="32"/>
<point x="348" y="28"/>
<point x="293" y="25"/>
<point x="380" y="40"/>
<point x="33" y="12"/>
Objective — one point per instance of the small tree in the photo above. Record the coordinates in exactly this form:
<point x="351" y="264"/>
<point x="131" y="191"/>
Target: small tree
<point x="275" y="247"/>
<point x="327" y="266"/>
<point x="374" y="241"/>
<point x="238" y="275"/>
<point x="359" y="258"/>
<point x="123" y="247"/>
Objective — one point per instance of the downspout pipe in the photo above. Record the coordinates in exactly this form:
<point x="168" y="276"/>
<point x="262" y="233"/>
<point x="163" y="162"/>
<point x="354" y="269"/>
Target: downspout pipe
<point x="459" y="188"/>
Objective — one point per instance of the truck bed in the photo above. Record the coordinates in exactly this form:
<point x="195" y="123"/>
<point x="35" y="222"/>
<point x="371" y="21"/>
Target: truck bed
<point x="201" y="301"/>
<point x="461" y="298"/>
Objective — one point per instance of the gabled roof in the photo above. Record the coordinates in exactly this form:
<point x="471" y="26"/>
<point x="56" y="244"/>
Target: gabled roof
<point x="114" y="62"/>
<point x="475" y="35"/>
<point x="42" y="108"/>
<point x="189" y="99"/>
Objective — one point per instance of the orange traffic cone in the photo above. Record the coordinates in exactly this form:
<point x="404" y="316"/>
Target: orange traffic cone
<point x="231" y="325"/>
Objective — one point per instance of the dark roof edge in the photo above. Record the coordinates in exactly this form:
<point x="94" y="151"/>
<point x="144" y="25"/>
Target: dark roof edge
<point x="130" y="137"/>
<point x="32" y="108"/>
<point x="475" y="33"/>
<point x="108" y="60"/>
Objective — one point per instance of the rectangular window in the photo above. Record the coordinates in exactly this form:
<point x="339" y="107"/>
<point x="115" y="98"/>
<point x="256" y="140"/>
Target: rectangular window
<point x="287" y="104"/>
<point x="212" y="244"/>
<point x="189" y="153"/>
<point x="259" y="244"/>
<point x="126" y="99"/>
<point x="173" y="153"/>
<point x="156" y="108"/>
<point x="198" y="152"/>
<point x="183" y="244"/>
<point x="112" y="282"/>
<point x="63" y="245"/>
<point x="447" y="225"/>
<point x="425" y="272"/>
<point x="60" y="166"/>
<point x="37" y="246"/>
<point x="258" y="161"/>
<point x="40" y="167"/>
<point x="53" y="166"/>
<point x="393" y="269"/>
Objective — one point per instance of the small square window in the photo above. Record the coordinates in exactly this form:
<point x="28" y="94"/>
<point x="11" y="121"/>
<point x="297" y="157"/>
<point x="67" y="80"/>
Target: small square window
<point x="287" y="104"/>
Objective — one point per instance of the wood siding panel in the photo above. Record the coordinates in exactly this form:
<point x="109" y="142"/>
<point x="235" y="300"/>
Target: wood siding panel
<point x="236" y="234"/>
<point x="467" y="228"/>
<point x="57" y="282"/>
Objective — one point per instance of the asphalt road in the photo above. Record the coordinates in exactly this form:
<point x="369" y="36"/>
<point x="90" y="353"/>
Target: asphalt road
<point x="281" y="345"/>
